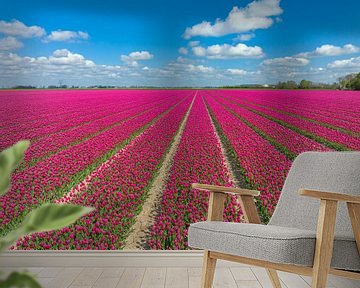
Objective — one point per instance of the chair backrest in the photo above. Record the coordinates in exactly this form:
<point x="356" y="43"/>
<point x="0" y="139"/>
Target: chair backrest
<point x="325" y="171"/>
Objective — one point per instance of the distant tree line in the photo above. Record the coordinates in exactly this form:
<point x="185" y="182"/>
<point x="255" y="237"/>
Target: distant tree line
<point x="305" y="84"/>
<point x="351" y="81"/>
<point x="24" y="87"/>
<point x="348" y="82"/>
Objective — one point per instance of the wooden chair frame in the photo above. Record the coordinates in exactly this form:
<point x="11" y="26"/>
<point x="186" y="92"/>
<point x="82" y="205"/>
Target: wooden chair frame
<point x="324" y="235"/>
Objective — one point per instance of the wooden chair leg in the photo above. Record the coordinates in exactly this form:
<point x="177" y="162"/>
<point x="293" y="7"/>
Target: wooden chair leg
<point x="324" y="243"/>
<point x="354" y="212"/>
<point x="208" y="271"/>
<point x="274" y="278"/>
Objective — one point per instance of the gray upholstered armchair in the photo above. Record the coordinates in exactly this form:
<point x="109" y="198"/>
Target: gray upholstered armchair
<point x="315" y="229"/>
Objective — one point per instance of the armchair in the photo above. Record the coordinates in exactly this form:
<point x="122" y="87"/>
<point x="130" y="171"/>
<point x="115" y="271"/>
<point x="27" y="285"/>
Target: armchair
<point x="312" y="232"/>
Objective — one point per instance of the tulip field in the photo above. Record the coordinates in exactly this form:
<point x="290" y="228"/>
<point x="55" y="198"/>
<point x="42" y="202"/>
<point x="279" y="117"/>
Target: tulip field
<point x="106" y="148"/>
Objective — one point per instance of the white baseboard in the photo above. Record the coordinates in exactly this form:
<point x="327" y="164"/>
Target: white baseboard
<point x="71" y="258"/>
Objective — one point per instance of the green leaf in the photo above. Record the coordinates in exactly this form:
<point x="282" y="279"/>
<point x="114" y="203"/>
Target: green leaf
<point x="10" y="158"/>
<point x="19" y="279"/>
<point x="52" y="217"/>
<point x="10" y="238"/>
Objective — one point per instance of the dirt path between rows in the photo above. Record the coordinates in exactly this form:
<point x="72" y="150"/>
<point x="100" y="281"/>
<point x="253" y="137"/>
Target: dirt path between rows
<point x="138" y="235"/>
<point x="232" y="173"/>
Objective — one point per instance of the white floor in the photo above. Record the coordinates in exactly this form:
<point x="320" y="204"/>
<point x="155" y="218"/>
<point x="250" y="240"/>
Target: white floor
<point x="171" y="277"/>
<point x="143" y="269"/>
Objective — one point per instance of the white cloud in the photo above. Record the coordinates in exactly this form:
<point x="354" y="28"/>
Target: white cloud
<point x="183" y="50"/>
<point x="10" y="43"/>
<point x="182" y="59"/>
<point x="135" y="56"/>
<point x="142" y="55"/>
<point x="256" y="15"/>
<point x="241" y="72"/>
<point x="200" y="68"/>
<point x="194" y="43"/>
<point x="199" y="51"/>
<point x="65" y="57"/>
<point x="17" y="28"/>
<point x="331" y="50"/>
<point x="61" y="53"/>
<point x="286" y="62"/>
<point x="347" y="63"/>
<point x="60" y="59"/>
<point x="83" y="35"/>
<point x="244" y="37"/>
<point x="66" y="36"/>
<point x="183" y="68"/>
<point x="226" y="51"/>
<point x="293" y="68"/>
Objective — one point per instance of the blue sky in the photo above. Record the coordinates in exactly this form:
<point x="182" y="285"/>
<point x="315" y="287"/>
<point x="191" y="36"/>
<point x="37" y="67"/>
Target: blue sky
<point x="175" y="43"/>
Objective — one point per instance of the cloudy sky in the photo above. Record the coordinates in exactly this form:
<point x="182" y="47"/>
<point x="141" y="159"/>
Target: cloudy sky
<point x="177" y="43"/>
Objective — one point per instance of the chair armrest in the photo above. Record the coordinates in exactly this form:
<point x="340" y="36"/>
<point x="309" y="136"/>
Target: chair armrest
<point x="323" y="195"/>
<point x="222" y="189"/>
<point x="327" y="219"/>
<point x="217" y="201"/>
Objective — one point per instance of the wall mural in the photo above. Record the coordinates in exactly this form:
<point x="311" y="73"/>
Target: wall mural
<point x="124" y="113"/>
<point x="133" y="154"/>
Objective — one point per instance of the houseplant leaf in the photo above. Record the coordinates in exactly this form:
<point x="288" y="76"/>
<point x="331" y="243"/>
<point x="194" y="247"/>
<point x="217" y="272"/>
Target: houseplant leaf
<point x="10" y="158"/>
<point x="52" y="217"/>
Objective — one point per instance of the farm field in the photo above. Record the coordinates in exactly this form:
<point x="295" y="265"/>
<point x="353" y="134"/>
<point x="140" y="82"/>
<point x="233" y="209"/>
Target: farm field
<point x="133" y="154"/>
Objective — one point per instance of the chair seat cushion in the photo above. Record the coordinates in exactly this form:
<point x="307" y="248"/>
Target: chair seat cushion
<point x="270" y="243"/>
